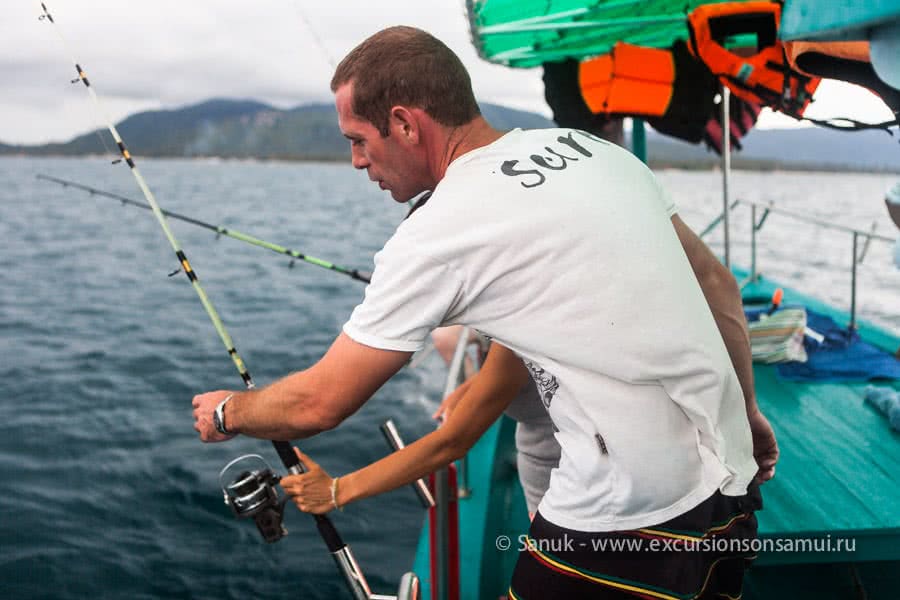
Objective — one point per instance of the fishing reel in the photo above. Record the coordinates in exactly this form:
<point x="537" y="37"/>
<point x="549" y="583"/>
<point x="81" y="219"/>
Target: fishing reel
<point x="252" y="495"/>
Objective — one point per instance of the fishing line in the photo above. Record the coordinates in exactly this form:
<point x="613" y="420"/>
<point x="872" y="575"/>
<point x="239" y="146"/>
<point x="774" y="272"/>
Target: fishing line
<point x="315" y="36"/>
<point x="324" y="50"/>
<point x="339" y="550"/>
<point x="219" y="230"/>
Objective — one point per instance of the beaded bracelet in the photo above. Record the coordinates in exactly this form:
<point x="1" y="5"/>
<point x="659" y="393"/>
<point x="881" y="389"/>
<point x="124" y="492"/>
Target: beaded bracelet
<point x="334" y="484"/>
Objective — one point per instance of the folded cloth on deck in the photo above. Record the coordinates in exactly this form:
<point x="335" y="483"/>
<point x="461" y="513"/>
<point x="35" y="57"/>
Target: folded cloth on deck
<point x="777" y="337"/>
<point x="887" y="401"/>
<point x="841" y="356"/>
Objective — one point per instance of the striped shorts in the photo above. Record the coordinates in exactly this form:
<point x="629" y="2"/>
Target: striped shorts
<point x="700" y="554"/>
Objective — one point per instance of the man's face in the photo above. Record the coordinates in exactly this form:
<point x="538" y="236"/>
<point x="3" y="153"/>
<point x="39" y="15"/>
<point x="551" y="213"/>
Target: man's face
<point x="387" y="160"/>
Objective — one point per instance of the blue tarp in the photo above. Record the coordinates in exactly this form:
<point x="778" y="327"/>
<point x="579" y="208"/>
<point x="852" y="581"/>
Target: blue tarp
<point x="842" y="356"/>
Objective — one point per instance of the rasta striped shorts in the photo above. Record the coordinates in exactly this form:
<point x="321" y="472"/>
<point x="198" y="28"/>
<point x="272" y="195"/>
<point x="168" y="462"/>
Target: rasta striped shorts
<point x="701" y="554"/>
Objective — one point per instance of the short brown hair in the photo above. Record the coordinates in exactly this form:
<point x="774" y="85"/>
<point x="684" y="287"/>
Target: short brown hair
<point x="408" y="67"/>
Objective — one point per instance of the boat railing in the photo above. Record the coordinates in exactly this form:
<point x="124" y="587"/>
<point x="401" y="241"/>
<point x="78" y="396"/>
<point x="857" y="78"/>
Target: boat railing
<point x="443" y="490"/>
<point x="456" y="374"/>
<point x="392" y="436"/>
<point x="766" y="208"/>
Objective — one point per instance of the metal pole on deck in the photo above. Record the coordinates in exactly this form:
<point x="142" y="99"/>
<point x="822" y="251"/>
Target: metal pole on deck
<point x="442" y="482"/>
<point x="442" y="533"/>
<point x="639" y="139"/>
<point x="852" y="325"/>
<point x="726" y="170"/>
<point x="389" y="430"/>
<point x="753" y="244"/>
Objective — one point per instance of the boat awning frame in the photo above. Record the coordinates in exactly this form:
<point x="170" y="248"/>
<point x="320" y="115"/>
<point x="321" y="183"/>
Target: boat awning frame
<point x="527" y="33"/>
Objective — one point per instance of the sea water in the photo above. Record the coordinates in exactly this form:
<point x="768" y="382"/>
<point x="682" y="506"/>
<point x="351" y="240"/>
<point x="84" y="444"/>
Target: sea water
<point x="105" y="489"/>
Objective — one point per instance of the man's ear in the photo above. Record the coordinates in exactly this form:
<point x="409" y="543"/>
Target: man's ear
<point x="405" y="124"/>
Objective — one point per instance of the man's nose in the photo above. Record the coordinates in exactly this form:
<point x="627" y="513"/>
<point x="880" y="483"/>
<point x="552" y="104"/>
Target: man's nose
<point x="358" y="159"/>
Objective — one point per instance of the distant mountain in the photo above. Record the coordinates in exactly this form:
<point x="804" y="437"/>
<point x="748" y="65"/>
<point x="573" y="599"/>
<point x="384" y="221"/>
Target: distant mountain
<point x="809" y="148"/>
<point x="250" y="129"/>
<point x="241" y="129"/>
<point x="816" y="145"/>
<point x="220" y="127"/>
<point x="503" y="118"/>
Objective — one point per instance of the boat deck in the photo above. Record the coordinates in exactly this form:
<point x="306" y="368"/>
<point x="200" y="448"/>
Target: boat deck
<point x="839" y="471"/>
<point x="838" y="478"/>
<point x="837" y="482"/>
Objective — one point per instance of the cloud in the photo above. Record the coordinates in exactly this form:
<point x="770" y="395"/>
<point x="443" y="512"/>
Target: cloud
<point x="169" y="53"/>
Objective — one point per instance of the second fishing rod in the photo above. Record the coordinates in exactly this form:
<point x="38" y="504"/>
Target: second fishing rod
<point x="356" y="274"/>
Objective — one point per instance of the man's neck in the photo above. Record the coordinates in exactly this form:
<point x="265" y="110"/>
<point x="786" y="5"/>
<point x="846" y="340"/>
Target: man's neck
<point x="457" y="141"/>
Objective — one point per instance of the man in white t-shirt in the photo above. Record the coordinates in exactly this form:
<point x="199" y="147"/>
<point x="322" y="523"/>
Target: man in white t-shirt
<point x="576" y="271"/>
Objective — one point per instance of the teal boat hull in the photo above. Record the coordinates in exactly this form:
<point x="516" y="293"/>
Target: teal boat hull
<point x="493" y="509"/>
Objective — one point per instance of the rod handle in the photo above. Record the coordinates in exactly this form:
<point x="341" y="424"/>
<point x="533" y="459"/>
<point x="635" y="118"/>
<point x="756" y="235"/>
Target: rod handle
<point x="329" y="533"/>
<point x="326" y="528"/>
<point x="288" y="457"/>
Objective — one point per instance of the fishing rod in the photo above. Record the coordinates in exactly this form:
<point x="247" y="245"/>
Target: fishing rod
<point x="252" y="493"/>
<point x="414" y="362"/>
<point x="219" y="230"/>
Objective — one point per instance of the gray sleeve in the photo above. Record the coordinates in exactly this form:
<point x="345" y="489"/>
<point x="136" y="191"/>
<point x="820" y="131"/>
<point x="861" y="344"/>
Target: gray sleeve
<point x="538" y="454"/>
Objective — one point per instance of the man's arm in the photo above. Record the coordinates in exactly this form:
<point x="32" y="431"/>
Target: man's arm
<point x="307" y="402"/>
<point x="724" y="299"/>
<point x="489" y="393"/>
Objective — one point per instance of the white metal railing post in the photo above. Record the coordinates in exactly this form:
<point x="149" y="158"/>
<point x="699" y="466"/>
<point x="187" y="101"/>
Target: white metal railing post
<point x="726" y="170"/>
<point x="852" y="324"/>
<point x="856" y="258"/>
<point x="753" y="243"/>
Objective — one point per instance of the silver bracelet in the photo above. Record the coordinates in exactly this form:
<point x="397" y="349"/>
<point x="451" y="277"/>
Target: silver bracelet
<point x="219" y="416"/>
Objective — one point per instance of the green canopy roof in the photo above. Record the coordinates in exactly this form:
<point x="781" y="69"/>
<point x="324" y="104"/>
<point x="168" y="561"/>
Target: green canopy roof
<point x="526" y="33"/>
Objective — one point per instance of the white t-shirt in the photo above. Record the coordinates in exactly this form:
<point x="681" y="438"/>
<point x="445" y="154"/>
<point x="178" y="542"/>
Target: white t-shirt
<point x="559" y="245"/>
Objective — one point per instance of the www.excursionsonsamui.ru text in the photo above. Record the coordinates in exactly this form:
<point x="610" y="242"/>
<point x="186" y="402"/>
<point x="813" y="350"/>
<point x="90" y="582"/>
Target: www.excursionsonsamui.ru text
<point x="713" y="544"/>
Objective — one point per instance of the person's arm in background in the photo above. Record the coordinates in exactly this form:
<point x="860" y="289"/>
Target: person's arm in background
<point x="489" y="392"/>
<point x="445" y="341"/>
<point x="724" y="299"/>
<point x="448" y="404"/>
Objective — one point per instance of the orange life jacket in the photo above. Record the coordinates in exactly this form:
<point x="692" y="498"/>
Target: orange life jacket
<point x="764" y="77"/>
<point x="671" y="89"/>
<point x="846" y="61"/>
<point x="629" y="80"/>
<point x="854" y="51"/>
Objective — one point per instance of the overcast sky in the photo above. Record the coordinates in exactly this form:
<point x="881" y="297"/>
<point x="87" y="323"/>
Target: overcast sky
<point x="167" y="53"/>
